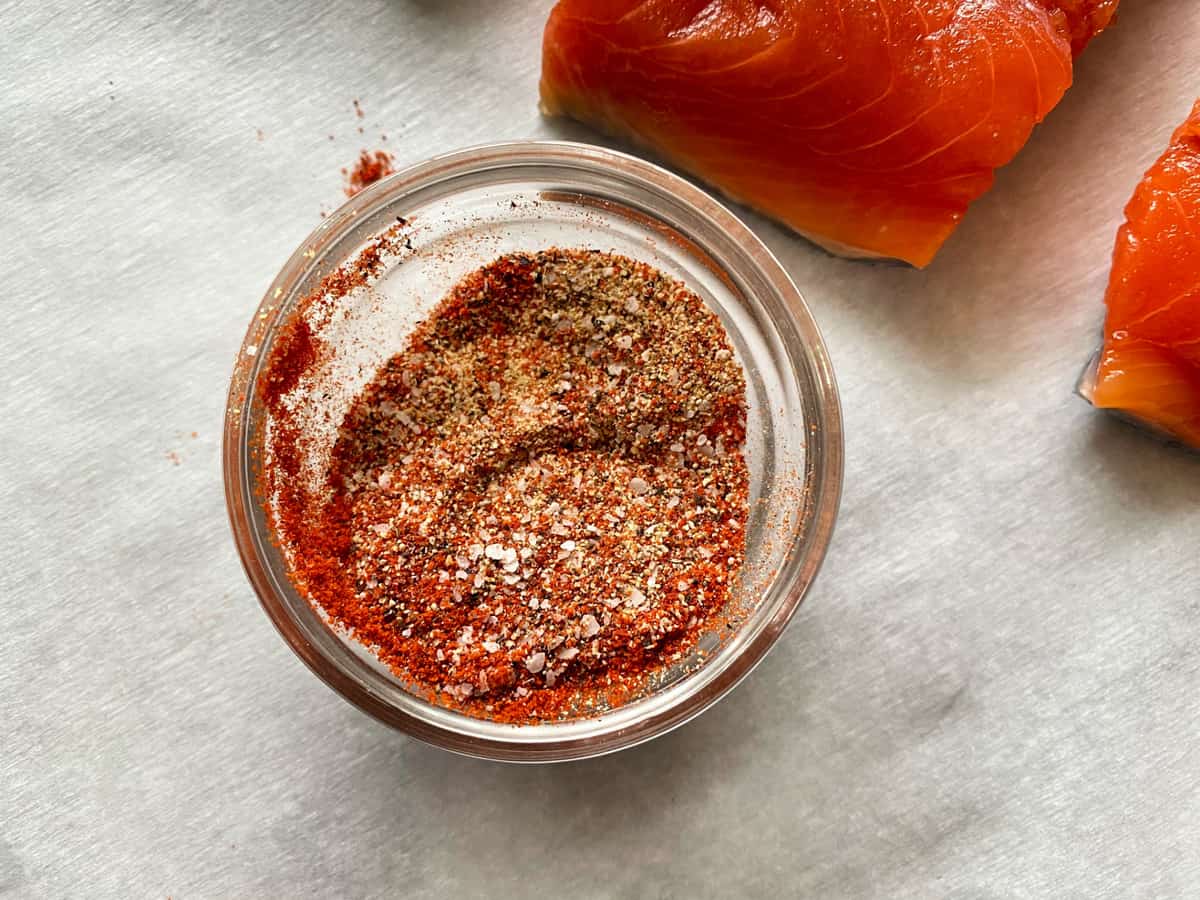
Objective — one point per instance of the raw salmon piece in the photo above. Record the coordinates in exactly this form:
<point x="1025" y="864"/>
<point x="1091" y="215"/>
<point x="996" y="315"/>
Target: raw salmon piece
<point x="867" y="125"/>
<point x="1149" y="367"/>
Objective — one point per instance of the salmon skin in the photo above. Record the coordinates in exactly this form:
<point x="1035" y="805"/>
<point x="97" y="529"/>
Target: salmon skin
<point x="1149" y="367"/>
<point x="869" y="126"/>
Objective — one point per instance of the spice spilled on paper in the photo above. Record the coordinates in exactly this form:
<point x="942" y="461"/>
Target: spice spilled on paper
<point x="367" y="169"/>
<point x="541" y="501"/>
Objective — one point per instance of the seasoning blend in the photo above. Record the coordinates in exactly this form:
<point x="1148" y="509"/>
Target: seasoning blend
<point x="367" y="169"/>
<point x="541" y="502"/>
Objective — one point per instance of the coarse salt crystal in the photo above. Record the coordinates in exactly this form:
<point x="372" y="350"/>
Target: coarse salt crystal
<point x="568" y="545"/>
<point x="494" y="551"/>
<point x="567" y="653"/>
<point x="491" y="646"/>
<point x="591" y="627"/>
<point x="677" y="447"/>
<point x="625" y="341"/>
<point x="639" y="485"/>
<point x="535" y="662"/>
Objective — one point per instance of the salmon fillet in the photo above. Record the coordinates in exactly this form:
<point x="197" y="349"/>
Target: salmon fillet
<point x="1149" y="367"/>
<point x="867" y="125"/>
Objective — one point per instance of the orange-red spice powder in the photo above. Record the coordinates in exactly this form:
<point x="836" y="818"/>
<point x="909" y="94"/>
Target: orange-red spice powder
<point x="367" y="169"/>
<point x="542" y="500"/>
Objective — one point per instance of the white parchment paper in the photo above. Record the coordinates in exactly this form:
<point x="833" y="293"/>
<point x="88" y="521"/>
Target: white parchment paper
<point x="992" y="691"/>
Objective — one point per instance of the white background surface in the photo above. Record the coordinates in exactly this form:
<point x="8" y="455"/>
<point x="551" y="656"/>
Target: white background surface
<point x="992" y="691"/>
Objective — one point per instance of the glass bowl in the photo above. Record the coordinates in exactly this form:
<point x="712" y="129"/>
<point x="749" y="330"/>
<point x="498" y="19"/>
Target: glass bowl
<point x="464" y="209"/>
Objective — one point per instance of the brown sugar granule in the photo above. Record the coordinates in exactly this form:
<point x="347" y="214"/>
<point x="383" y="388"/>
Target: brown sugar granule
<point x="541" y="501"/>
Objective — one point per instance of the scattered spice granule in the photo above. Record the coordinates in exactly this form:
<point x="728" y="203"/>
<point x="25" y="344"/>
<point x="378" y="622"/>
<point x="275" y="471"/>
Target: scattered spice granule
<point x="370" y="167"/>
<point x="358" y="110"/>
<point x="541" y="502"/>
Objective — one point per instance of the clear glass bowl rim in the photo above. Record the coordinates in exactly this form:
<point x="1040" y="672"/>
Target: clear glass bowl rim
<point x="824" y="455"/>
